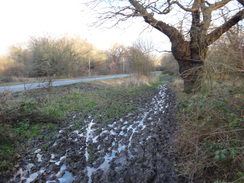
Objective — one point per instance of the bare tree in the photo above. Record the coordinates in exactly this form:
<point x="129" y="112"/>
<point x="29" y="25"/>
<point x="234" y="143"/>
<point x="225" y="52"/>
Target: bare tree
<point x="116" y="55"/>
<point x="139" y="57"/>
<point x="169" y="65"/>
<point x="189" y="50"/>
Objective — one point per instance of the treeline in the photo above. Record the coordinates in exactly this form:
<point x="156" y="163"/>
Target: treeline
<point x="73" y="57"/>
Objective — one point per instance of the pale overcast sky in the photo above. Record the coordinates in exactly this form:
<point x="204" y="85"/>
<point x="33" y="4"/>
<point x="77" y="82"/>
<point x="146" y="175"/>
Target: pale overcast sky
<point x="21" y="19"/>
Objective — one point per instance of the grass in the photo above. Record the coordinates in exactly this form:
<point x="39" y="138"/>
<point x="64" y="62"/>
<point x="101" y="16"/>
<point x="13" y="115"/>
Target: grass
<point x="210" y="142"/>
<point x="39" y="113"/>
<point x="7" y="150"/>
<point x="4" y="81"/>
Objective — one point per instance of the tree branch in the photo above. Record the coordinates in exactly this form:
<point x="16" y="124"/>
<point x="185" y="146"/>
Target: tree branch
<point x="182" y="7"/>
<point x="241" y="2"/>
<point x="214" y="35"/>
<point x="220" y="4"/>
<point x="172" y="33"/>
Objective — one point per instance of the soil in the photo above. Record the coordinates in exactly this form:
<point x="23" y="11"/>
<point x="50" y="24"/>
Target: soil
<point x="133" y="149"/>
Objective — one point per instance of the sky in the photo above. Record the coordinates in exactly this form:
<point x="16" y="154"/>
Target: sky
<point x="22" y="19"/>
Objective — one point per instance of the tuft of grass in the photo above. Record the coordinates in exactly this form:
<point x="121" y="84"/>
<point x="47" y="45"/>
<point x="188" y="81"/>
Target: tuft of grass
<point x="7" y="149"/>
<point x="7" y="157"/>
<point x="210" y="142"/>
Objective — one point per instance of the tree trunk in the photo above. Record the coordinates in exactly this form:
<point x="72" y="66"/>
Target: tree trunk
<point x="191" y="60"/>
<point x="193" y="76"/>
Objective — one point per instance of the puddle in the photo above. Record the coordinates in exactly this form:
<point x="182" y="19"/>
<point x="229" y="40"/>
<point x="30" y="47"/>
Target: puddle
<point x="67" y="177"/>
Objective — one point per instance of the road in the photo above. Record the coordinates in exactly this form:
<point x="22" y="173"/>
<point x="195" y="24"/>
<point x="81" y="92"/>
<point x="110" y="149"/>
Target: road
<point x="29" y="86"/>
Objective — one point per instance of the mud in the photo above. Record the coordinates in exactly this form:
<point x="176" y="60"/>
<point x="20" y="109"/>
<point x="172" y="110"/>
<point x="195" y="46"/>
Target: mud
<point x="133" y="149"/>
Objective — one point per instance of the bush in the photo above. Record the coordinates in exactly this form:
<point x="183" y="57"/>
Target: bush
<point x="9" y="68"/>
<point x="5" y="80"/>
<point x="210" y="142"/>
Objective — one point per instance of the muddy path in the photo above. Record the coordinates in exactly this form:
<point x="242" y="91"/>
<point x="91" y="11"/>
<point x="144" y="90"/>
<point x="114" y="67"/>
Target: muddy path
<point x="132" y="149"/>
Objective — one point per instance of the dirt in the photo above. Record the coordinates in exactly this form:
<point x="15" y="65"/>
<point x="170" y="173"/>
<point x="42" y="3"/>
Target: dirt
<point x="133" y="149"/>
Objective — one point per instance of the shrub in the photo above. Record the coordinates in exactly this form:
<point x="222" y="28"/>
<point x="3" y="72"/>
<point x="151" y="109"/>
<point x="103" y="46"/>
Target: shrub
<point x="9" y="68"/>
<point x="210" y="142"/>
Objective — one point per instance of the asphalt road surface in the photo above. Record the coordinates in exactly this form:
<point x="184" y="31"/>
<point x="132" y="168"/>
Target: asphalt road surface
<point x="29" y="86"/>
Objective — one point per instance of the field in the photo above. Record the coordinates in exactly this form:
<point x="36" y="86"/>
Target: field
<point x="28" y="115"/>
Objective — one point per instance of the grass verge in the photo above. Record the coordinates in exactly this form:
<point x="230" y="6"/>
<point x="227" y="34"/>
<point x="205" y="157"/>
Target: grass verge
<point x="210" y="143"/>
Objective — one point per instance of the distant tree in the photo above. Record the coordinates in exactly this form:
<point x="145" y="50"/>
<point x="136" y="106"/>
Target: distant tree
<point x="84" y="49"/>
<point x="51" y="57"/>
<point x="17" y="53"/>
<point x="99" y="58"/>
<point x="139" y="58"/>
<point x="65" y="56"/>
<point x="116" y="58"/>
<point x="10" y="68"/>
<point x="139" y="62"/>
<point x="189" y="50"/>
<point x="169" y="65"/>
<point x="92" y="60"/>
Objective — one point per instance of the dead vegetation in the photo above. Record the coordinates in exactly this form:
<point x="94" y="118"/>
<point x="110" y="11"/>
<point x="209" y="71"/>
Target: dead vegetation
<point x="210" y="140"/>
